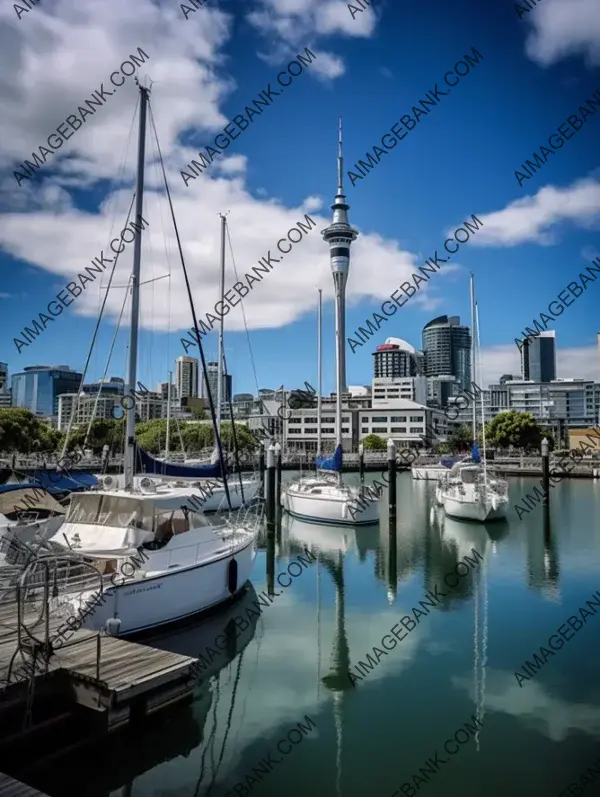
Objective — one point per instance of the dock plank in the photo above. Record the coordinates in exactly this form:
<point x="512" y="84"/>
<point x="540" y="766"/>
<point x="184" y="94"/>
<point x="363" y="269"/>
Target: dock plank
<point x="9" y="787"/>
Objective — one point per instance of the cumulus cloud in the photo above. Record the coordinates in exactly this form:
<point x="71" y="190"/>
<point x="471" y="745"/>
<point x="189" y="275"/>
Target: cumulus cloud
<point x="291" y="24"/>
<point x="563" y="28"/>
<point x="530" y="219"/>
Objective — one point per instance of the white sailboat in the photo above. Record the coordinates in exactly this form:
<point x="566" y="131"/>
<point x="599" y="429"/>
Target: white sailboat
<point x="471" y="491"/>
<point x="325" y="498"/>
<point x="170" y="560"/>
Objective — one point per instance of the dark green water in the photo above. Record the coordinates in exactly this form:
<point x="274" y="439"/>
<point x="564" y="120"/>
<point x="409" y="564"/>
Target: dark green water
<point x="290" y="666"/>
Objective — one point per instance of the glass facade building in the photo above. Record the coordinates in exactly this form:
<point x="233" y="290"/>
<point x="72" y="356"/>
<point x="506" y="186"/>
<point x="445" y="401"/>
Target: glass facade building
<point x="447" y="349"/>
<point x="38" y="387"/>
<point x="538" y="357"/>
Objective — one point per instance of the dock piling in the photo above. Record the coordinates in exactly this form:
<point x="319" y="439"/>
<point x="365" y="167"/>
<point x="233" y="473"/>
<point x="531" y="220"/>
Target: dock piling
<point x="361" y="463"/>
<point x="277" y="476"/>
<point x="271" y="506"/>
<point x="545" y="473"/>
<point x="391" y="452"/>
<point x="261" y="468"/>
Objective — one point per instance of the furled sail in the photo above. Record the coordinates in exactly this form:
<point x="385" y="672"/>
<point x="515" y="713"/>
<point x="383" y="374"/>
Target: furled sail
<point x="152" y="466"/>
<point x="330" y="463"/>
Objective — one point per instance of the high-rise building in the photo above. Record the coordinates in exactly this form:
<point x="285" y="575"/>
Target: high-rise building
<point x="38" y="387"/>
<point x="396" y="358"/>
<point x="163" y="390"/>
<point x="186" y="377"/>
<point x="339" y="235"/>
<point x="447" y="349"/>
<point x="538" y="357"/>
<point x="212" y="370"/>
<point x="3" y="378"/>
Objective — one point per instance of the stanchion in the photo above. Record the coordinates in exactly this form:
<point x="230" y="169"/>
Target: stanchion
<point x="391" y="452"/>
<point x="271" y="505"/>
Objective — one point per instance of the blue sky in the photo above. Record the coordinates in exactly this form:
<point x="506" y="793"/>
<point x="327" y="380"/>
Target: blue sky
<point x="460" y="160"/>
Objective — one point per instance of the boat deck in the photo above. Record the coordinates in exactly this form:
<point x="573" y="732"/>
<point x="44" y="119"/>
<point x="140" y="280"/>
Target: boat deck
<point x="14" y="788"/>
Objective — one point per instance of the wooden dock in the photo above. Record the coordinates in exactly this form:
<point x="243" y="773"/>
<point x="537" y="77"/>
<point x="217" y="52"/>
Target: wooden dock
<point x="14" y="788"/>
<point x="94" y="684"/>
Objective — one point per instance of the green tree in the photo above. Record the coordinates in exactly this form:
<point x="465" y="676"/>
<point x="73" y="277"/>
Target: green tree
<point x="513" y="428"/>
<point x="372" y="442"/>
<point x="461" y="438"/>
<point x="22" y="431"/>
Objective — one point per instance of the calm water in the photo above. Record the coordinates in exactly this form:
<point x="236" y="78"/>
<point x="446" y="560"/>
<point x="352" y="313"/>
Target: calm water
<point x="290" y="666"/>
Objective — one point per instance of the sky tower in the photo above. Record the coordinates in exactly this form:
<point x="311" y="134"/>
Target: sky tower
<point x="339" y="235"/>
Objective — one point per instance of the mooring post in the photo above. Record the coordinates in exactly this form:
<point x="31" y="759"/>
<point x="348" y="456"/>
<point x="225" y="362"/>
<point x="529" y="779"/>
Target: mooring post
<point x="545" y="473"/>
<point x="277" y="476"/>
<point x="271" y="490"/>
<point x="261" y="468"/>
<point x="361" y="463"/>
<point x="391" y="453"/>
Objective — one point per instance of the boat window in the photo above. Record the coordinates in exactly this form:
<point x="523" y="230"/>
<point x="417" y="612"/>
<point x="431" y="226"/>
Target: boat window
<point x="469" y="476"/>
<point x="108" y="510"/>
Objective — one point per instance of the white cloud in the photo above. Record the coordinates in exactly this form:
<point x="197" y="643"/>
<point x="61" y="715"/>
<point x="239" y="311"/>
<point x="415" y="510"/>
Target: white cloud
<point x="530" y="219"/>
<point x="563" y="28"/>
<point x="291" y="25"/>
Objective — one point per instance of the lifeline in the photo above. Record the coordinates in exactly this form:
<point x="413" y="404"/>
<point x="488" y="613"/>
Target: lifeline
<point x="529" y="668"/>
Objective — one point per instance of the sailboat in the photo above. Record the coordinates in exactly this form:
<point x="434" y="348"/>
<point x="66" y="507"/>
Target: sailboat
<point x="215" y="494"/>
<point x="322" y="499"/>
<point x="471" y="491"/>
<point x="184" y="564"/>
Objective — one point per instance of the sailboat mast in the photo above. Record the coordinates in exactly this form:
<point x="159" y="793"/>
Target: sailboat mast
<point x="473" y="374"/>
<point x="168" y="416"/>
<point x="481" y="397"/>
<point x="319" y="369"/>
<point x="135" y="293"/>
<point x="221" y="323"/>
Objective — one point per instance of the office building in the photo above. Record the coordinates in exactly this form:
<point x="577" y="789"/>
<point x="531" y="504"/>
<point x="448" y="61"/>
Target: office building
<point x="3" y="378"/>
<point x="212" y="369"/>
<point x="447" y="349"/>
<point x="38" y="387"/>
<point x="87" y="408"/>
<point x="186" y="376"/>
<point x="163" y="389"/>
<point x="538" y="357"/>
<point x="389" y="389"/>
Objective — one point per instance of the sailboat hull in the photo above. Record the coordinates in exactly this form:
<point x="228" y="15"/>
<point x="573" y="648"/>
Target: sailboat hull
<point x="469" y="510"/>
<point x="339" y="509"/>
<point x="166" y="598"/>
<point x="218" y="500"/>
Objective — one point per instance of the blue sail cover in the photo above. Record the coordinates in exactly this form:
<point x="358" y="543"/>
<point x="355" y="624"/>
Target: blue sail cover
<point x="450" y="462"/>
<point x="475" y="452"/>
<point x="330" y="463"/>
<point x="152" y="466"/>
<point x="60" y="482"/>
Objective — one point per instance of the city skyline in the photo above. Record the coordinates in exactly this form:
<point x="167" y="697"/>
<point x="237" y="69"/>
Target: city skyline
<point x="536" y="234"/>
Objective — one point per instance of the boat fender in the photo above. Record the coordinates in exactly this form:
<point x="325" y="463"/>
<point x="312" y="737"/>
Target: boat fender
<point x="232" y="576"/>
<point x="345" y="511"/>
<point x="112" y="626"/>
<point x="494" y="502"/>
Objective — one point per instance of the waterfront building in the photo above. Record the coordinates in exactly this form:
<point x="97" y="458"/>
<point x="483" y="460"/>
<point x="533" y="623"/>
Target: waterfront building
<point x="87" y="408"/>
<point x="388" y="389"/>
<point x="538" y="357"/>
<point x="557" y="405"/>
<point x="403" y="420"/>
<point x="186" y="376"/>
<point x="447" y="349"/>
<point x="38" y="387"/>
<point x="242" y="404"/>
<point x="3" y="378"/>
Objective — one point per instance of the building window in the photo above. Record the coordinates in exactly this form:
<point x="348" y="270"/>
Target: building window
<point x="328" y="430"/>
<point x="295" y="420"/>
<point x="380" y="430"/>
<point x="310" y="431"/>
<point x="364" y="430"/>
<point x="416" y="429"/>
<point x="416" y="418"/>
<point x="401" y="429"/>
<point x="310" y="420"/>
<point x="345" y="430"/>
<point x="379" y="419"/>
<point x="398" y="419"/>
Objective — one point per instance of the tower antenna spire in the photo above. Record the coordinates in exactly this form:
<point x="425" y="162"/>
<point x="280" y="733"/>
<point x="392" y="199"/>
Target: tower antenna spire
<point x="340" y="159"/>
